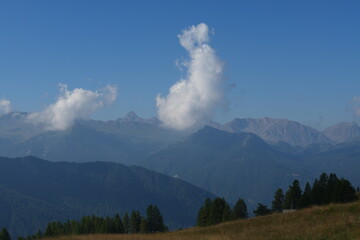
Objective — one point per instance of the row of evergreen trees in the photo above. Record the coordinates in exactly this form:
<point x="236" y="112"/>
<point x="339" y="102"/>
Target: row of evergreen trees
<point x="151" y="223"/>
<point x="217" y="211"/>
<point x="327" y="189"/>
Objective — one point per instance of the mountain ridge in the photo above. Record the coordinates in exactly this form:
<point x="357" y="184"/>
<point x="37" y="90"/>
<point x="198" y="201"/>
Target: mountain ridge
<point x="72" y="190"/>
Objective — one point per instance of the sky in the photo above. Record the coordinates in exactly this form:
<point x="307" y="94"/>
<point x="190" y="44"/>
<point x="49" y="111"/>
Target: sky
<point x="298" y="60"/>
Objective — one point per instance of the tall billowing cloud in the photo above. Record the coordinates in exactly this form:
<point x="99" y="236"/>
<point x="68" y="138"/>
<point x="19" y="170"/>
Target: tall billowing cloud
<point x="71" y="105"/>
<point x="5" y="106"/>
<point x="193" y="100"/>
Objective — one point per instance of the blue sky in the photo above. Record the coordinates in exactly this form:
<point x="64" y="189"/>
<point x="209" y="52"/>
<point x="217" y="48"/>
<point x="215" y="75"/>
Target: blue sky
<point x="285" y="59"/>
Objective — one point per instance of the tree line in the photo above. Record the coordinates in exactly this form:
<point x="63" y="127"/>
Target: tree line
<point x="327" y="189"/>
<point x="135" y="223"/>
<point x="218" y="210"/>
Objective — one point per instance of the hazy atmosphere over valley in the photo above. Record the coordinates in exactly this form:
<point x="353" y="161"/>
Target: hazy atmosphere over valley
<point x="113" y="107"/>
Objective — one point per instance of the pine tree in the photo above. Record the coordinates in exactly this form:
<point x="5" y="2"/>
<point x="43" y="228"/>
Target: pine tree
<point x="344" y="191"/>
<point x="278" y="202"/>
<point x="144" y="226"/>
<point x="135" y="222"/>
<point x="240" y="209"/>
<point x="293" y="196"/>
<point x="119" y="227"/>
<point x="4" y="234"/>
<point x="227" y="214"/>
<point x="216" y="211"/>
<point x="126" y="223"/>
<point x="154" y="219"/>
<point x="261" y="210"/>
<point x="306" y="200"/>
<point x="204" y="213"/>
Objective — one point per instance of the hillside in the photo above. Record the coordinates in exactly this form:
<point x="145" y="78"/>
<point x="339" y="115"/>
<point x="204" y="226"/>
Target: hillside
<point x="230" y="165"/>
<point x="34" y="192"/>
<point x="332" y="222"/>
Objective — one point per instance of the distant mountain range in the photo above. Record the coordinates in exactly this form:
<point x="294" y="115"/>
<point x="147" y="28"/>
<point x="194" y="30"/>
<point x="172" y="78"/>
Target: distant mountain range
<point x="125" y="140"/>
<point x="34" y="192"/>
<point x="131" y="138"/>
<point x="247" y="158"/>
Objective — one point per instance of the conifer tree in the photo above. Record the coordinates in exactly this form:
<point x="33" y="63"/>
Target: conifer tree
<point x="278" y="202"/>
<point x="261" y="210"/>
<point x="216" y="211"/>
<point x="306" y="198"/>
<point x="344" y="191"/>
<point x="240" y="209"/>
<point x="144" y="226"/>
<point x="204" y="213"/>
<point x="126" y="223"/>
<point x="119" y="227"/>
<point x="4" y="234"/>
<point x="154" y="219"/>
<point x="135" y="222"/>
<point x="227" y="214"/>
<point x="293" y="195"/>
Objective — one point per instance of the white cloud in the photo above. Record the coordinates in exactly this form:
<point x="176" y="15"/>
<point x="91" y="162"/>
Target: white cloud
<point x="71" y="105"/>
<point x="192" y="101"/>
<point x="5" y="106"/>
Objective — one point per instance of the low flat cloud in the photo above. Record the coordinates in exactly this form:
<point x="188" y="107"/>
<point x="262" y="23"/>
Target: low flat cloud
<point x="72" y="105"/>
<point x="5" y="106"/>
<point x="193" y="100"/>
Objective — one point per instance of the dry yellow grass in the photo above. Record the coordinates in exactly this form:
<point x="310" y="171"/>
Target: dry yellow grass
<point x="332" y="222"/>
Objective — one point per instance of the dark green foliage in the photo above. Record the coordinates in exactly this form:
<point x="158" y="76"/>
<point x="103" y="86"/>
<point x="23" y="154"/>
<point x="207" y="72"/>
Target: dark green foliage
<point x="327" y="189"/>
<point x="4" y="234"/>
<point x="144" y="226"/>
<point x="240" y="209"/>
<point x="261" y="210"/>
<point x="217" y="210"/>
<point x="154" y="220"/>
<point x="278" y="202"/>
<point x="293" y="196"/>
<point x="135" y="222"/>
<point x="214" y="212"/>
<point x="306" y="198"/>
<point x="204" y="213"/>
<point x="118" y="224"/>
<point x="331" y="189"/>
<point x="96" y="225"/>
<point x="227" y="214"/>
<point x="126" y="223"/>
<point x="343" y="191"/>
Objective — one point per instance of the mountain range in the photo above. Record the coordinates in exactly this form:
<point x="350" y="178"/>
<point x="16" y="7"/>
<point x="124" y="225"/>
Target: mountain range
<point x="34" y="192"/>
<point x="132" y="137"/>
<point x="244" y="158"/>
